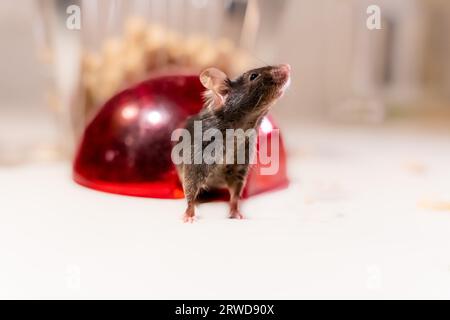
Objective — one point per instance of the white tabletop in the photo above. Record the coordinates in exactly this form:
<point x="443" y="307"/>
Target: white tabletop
<point x="349" y="226"/>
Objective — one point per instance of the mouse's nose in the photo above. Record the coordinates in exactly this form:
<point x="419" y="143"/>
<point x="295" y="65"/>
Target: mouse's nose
<point x="285" y="67"/>
<point x="281" y="73"/>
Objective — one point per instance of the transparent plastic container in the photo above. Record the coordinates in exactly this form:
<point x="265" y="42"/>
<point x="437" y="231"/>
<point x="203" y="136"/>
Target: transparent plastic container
<point x="122" y="42"/>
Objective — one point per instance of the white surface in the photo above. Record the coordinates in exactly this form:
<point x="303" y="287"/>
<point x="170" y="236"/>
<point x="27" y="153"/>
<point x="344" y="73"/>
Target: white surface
<point x="347" y="227"/>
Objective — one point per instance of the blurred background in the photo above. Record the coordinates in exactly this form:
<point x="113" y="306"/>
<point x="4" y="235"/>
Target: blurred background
<point x="366" y="123"/>
<point x="55" y="78"/>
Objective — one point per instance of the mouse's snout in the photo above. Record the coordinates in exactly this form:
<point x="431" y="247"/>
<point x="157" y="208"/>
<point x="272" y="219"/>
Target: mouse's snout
<point x="285" y="68"/>
<point x="281" y="73"/>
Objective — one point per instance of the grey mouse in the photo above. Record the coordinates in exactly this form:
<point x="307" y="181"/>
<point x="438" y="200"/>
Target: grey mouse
<point x="240" y="103"/>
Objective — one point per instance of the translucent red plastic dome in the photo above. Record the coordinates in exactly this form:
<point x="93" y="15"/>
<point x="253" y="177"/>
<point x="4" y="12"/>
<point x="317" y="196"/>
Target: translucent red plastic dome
<point x="126" y="148"/>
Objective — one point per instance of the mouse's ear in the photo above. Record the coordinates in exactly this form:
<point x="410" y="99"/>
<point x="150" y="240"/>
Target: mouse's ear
<point x="214" y="80"/>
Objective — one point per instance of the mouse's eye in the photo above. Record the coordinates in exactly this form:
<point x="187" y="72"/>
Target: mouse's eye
<point x="253" y="76"/>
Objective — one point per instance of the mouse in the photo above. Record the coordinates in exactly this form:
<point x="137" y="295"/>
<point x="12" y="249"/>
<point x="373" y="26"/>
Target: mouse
<point x="230" y="105"/>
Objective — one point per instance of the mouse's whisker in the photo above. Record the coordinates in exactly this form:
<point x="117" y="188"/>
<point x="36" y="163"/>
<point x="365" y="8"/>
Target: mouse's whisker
<point x="266" y="64"/>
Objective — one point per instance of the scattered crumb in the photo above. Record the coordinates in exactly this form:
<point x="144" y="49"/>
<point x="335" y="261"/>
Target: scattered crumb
<point x="437" y="205"/>
<point x="414" y="167"/>
<point x="308" y="200"/>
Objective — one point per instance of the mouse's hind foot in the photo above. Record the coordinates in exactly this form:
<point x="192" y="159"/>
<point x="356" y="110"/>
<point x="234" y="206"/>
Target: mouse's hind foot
<point x="189" y="219"/>
<point x="236" y="214"/>
<point x="189" y="214"/>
